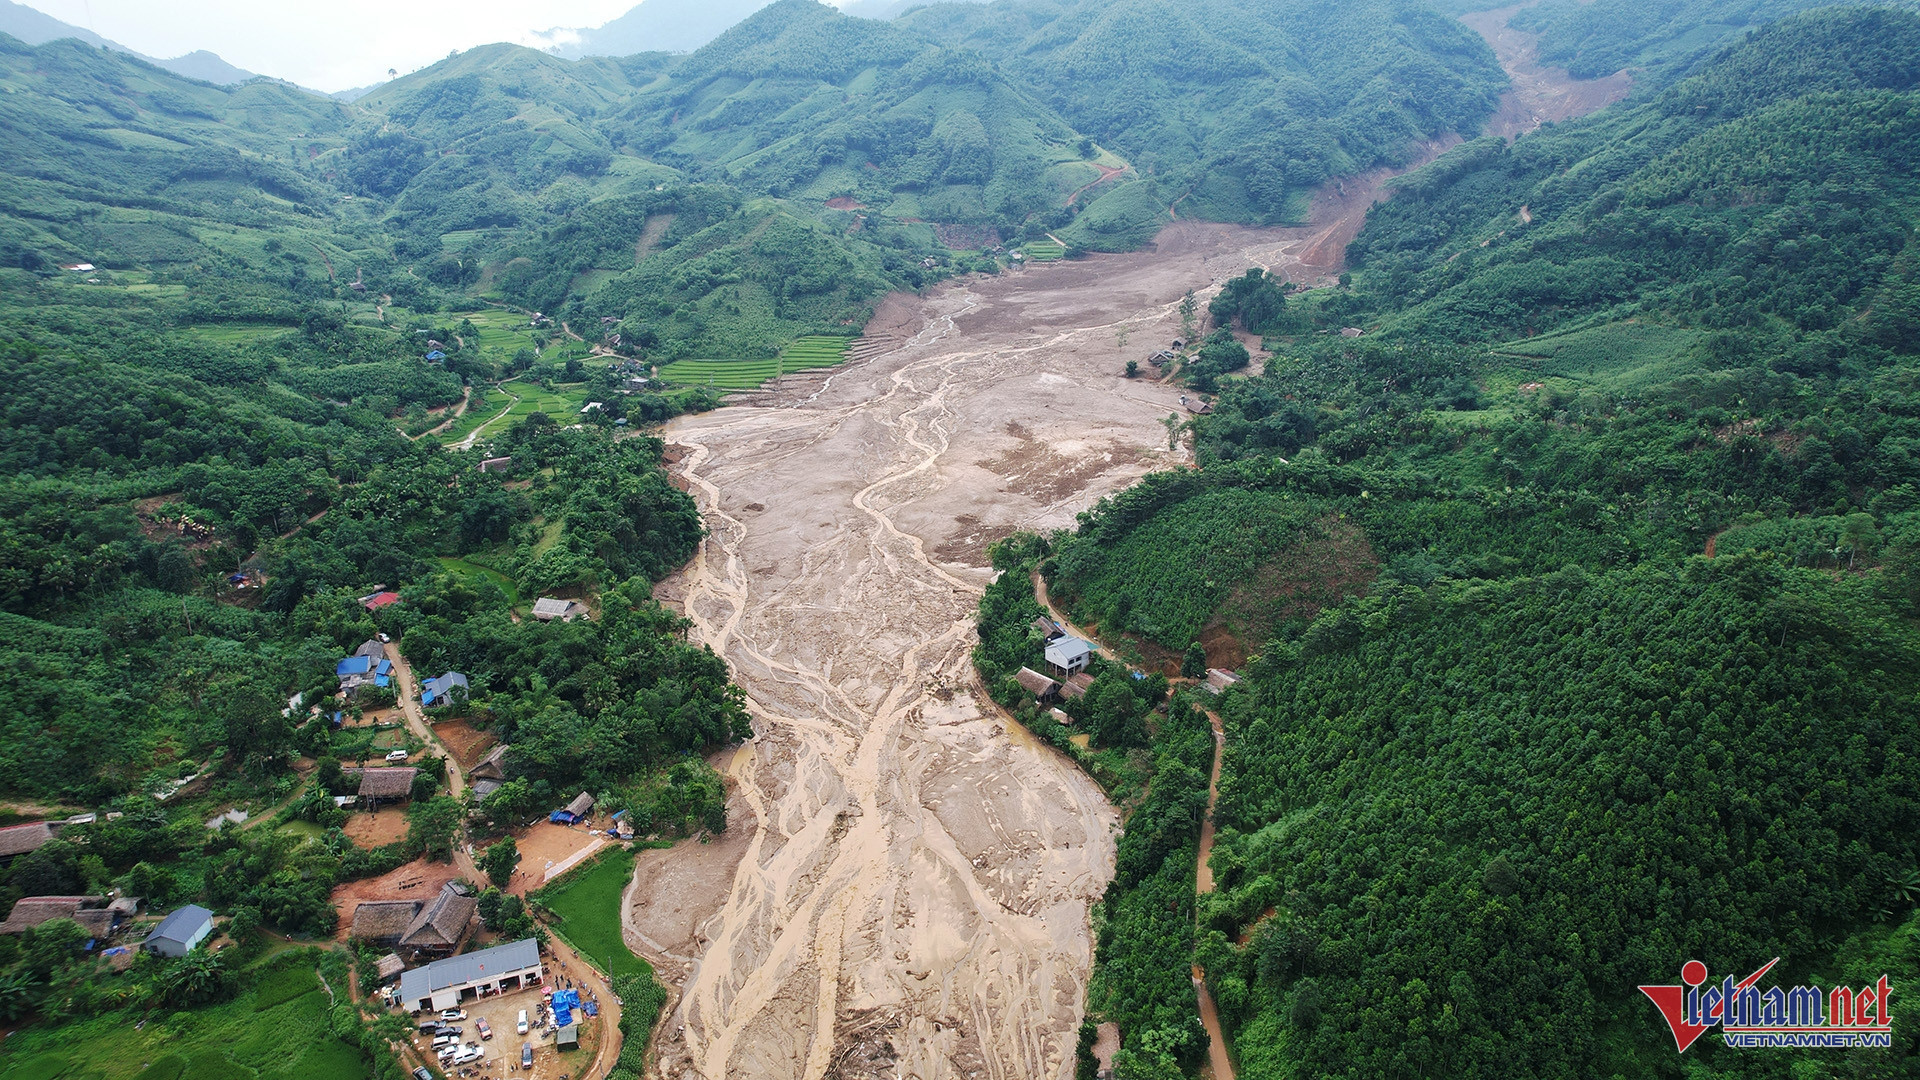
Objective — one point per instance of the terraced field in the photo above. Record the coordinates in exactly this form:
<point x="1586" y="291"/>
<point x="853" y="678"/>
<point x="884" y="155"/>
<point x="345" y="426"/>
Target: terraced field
<point x="1044" y="250"/>
<point x="815" y="351"/>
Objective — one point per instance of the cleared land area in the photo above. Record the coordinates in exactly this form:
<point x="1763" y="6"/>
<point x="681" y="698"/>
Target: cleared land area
<point x="588" y="904"/>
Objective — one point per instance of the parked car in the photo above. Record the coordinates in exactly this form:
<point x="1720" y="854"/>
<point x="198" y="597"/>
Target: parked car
<point x="420" y="1072"/>
<point x="429" y="1027"/>
<point x="450" y="1014"/>
<point x="522" y="1028"/>
<point x="469" y="1053"/>
<point x="396" y="755"/>
<point x="480" y="1025"/>
<point x="526" y="1055"/>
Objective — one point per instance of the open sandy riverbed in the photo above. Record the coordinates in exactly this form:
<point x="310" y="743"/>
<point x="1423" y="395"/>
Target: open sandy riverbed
<point x="906" y="891"/>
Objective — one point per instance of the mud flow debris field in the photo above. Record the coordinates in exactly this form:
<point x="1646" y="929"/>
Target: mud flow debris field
<point x="906" y="886"/>
<point x="908" y="891"/>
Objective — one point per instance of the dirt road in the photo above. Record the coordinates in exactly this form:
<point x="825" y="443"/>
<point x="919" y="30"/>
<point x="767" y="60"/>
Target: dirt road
<point x="913" y="898"/>
<point x="417" y="723"/>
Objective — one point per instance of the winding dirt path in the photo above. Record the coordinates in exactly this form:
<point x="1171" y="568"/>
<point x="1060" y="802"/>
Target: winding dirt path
<point x="1217" y="1056"/>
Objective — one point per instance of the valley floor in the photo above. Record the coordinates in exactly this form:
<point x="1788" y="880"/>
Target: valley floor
<point x="911" y="894"/>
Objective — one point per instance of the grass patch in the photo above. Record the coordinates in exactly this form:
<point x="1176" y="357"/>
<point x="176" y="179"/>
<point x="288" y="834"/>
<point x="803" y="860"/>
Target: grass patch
<point x="465" y="569"/>
<point x="1043" y="250"/>
<point x="1614" y="355"/>
<point x="285" y="984"/>
<point x="587" y="902"/>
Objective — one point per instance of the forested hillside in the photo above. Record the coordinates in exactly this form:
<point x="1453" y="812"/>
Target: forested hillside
<point x="1242" y="108"/>
<point x="1659" y="42"/>
<point x="1574" y="598"/>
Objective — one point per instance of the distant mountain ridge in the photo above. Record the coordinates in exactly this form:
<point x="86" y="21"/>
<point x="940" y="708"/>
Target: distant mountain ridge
<point x="678" y="26"/>
<point x="37" y="28"/>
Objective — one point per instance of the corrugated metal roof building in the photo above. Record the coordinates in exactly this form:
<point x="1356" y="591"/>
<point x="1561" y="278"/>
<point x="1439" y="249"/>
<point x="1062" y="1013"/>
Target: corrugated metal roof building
<point x="443" y="984"/>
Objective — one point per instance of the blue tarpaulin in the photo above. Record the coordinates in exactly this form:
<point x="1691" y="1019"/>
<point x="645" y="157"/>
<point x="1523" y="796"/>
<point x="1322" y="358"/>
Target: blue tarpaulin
<point x="560" y="817"/>
<point x="564" y="1003"/>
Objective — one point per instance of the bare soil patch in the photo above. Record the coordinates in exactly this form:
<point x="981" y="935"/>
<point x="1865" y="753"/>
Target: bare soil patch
<point x="1330" y="561"/>
<point x="467" y="745"/>
<point x="967" y="237"/>
<point x="543" y="845"/>
<point x="845" y="202"/>
<point x="417" y="880"/>
<point x="377" y="829"/>
<point x="676" y="890"/>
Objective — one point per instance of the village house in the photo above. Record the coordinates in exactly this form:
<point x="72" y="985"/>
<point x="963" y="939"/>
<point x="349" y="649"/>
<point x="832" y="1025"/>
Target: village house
<point x="414" y="928"/>
<point x="1068" y="655"/>
<point x="497" y="464"/>
<point x="1036" y="684"/>
<point x="444" y="984"/>
<point x="376" y="601"/>
<point x="549" y="608"/>
<point x="17" y="840"/>
<point x="368" y="666"/>
<point x="491" y="767"/>
<point x="91" y="912"/>
<point x="1077" y="686"/>
<point x="179" y="932"/>
<point x="376" y="786"/>
<point x="440" y="691"/>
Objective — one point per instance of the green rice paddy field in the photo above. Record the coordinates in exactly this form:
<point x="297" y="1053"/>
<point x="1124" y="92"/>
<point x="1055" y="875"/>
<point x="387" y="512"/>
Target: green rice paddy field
<point x="588" y="904"/>
<point x="276" y="1031"/>
<point x="562" y="403"/>
<point x="1044" y="250"/>
<point x="466" y="569"/>
<point x="816" y="351"/>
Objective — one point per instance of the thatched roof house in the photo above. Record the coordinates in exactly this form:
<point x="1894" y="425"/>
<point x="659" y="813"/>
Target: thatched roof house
<point x="387" y="783"/>
<point x="442" y="923"/>
<point x="20" y="839"/>
<point x="1036" y="684"/>
<point x="383" y="922"/>
<point x="31" y="911"/>
<point x="581" y="804"/>
<point x="493" y="766"/>
<point x="391" y="966"/>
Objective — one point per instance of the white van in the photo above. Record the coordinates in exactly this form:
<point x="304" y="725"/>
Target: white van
<point x="523" y="1022"/>
<point x="397" y="755"/>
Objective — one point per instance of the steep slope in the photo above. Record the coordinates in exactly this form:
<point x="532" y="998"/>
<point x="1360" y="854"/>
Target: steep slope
<point x="1622" y="579"/>
<point x="1799" y="141"/>
<point x="804" y="102"/>
<point x="1244" y="105"/>
<point x="1661" y="41"/>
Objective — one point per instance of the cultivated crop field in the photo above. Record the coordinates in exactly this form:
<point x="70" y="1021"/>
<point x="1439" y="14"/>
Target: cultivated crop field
<point x="1044" y="250"/>
<point x="588" y="903"/>
<point x="278" y="1030"/>
<point x="815" y="351"/>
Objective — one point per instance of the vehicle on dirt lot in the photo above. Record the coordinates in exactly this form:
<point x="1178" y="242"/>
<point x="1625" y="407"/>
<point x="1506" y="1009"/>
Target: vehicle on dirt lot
<point x="468" y="1054"/>
<point x="420" y="1072"/>
<point x="522" y="1028"/>
<point x="526" y="1055"/>
<point x="450" y="1014"/>
<point x="481" y="1026"/>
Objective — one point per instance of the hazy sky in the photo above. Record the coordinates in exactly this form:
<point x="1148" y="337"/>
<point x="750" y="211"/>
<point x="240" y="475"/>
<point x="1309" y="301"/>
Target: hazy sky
<point x="325" y="44"/>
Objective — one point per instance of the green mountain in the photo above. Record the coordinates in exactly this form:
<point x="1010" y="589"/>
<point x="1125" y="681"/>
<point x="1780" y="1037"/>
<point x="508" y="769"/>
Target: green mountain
<point x="35" y="28"/>
<point x="1661" y="42"/>
<point x="804" y="102"/>
<point x="656" y="26"/>
<point x="1241" y="107"/>
<point x="1553" y="593"/>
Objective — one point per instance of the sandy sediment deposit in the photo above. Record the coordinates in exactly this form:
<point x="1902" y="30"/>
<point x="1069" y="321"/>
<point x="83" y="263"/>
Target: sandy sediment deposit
<point x="911" y="888"/>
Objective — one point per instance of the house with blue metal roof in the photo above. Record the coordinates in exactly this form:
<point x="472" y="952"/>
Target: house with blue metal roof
<point x="439" y="691"/>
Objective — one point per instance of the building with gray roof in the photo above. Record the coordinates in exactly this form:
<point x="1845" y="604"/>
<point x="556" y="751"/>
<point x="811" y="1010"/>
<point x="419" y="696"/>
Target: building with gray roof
<point x="444" y="984"/>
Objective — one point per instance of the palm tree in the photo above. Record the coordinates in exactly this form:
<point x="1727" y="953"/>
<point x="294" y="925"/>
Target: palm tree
<point x="196" y="977"/>
<point x="16" y="996"/>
